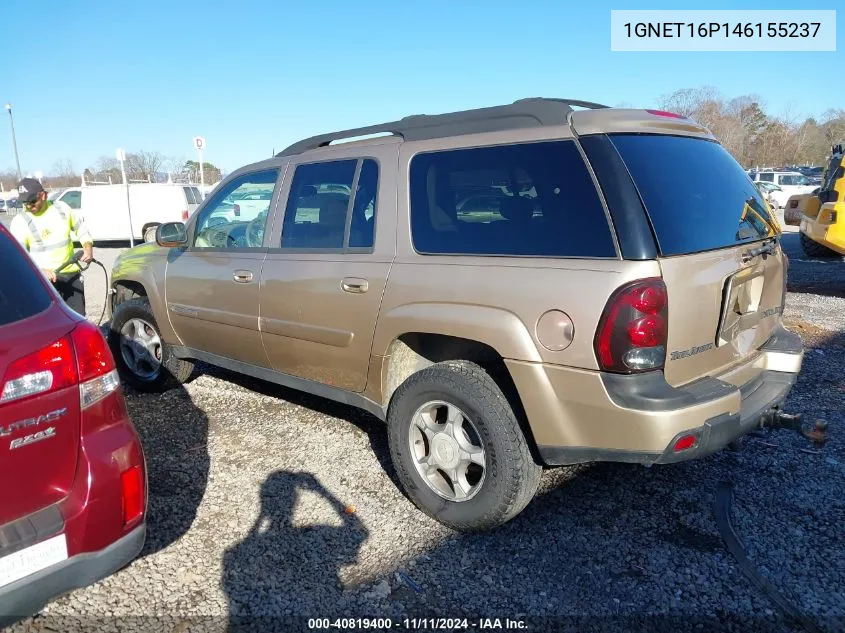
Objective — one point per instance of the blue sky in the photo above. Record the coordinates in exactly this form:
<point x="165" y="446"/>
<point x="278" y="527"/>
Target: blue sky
<point x="86" y="77"/>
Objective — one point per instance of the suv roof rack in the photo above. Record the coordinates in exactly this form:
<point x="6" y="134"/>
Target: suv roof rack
<point x="523" y="113"/>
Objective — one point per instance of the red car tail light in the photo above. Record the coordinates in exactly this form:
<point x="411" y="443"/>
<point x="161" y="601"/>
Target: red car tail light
<point x="49" y="369"/>
<point x="81" y="357"/>
<point x="185" y="215"/>
<point x="631" y="336"/>
<point x="132" y="494"/>
<point x="97" y="373"/>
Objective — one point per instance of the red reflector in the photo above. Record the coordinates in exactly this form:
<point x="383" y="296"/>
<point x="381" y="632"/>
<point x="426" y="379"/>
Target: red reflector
<point x="132" y="494"/>
<point x="92" y="354"/>
<point x="687" y="441"/>
<point x="671" y="115"/>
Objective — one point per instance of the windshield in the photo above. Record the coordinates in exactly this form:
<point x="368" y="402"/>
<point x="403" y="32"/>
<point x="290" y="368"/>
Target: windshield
<point x="697" y="196"/>
<point x="794" y="179"/>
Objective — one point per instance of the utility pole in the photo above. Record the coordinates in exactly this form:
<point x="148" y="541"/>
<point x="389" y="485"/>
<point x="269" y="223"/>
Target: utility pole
<point x="14" y="141"/>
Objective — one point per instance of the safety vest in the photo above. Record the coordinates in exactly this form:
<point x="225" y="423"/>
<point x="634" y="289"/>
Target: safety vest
<point x="48" y="236"/>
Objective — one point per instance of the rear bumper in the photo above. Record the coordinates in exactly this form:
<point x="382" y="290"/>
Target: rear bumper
<point x="29" y="595"/>
<point x="578" y="416"/>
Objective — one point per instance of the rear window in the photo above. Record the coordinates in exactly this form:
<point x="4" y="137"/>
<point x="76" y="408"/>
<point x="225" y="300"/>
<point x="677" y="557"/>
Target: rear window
<point x="697" y="196"/>
<point x="189" y="194"/>
<point x="22" y="294"/>
<point x="531" y="199"/>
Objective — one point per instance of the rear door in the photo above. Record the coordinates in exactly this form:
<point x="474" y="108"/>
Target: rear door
<point x="325" y="274"/>
<point x="39" y="433"/>
<point x="725" y="301"/>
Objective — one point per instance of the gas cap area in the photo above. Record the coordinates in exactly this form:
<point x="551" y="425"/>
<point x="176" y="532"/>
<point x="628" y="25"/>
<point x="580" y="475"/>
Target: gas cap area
<point x="555" y="330"/>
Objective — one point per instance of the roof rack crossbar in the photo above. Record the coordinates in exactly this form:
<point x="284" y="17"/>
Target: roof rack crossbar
<point x="529" y="112"/>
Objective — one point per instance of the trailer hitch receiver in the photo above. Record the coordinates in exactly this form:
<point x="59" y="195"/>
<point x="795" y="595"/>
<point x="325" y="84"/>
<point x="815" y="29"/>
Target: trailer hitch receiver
<point x="815" y="432"/>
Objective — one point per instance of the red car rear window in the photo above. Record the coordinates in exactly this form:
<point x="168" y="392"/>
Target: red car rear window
<point x="22" y="292"/>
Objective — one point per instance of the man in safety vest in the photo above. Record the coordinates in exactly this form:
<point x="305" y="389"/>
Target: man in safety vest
<point x="46" y="229"/>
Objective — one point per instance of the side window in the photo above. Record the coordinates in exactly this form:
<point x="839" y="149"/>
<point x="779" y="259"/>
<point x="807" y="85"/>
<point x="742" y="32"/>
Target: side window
<point x="236" y="217"/>
<point x="318" y="208"/>
<point x="531" y="199"/>
<point x="362" y="226"/>
<point x="73" y="199"/>
<point x="767" y="177"/>
<point x="189" y="195"/>
<point x="197" y="194"/>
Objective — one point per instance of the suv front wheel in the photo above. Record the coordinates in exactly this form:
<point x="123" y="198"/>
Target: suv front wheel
<point x="144" y="360"/>
<point x="458" y="448"/>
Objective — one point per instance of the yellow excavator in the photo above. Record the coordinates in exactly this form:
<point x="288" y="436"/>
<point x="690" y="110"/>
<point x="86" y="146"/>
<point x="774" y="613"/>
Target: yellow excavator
<point x="820" y="215"/>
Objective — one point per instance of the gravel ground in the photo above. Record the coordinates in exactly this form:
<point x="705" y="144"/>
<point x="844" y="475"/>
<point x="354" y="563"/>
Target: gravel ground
<point x="270" y="504"/>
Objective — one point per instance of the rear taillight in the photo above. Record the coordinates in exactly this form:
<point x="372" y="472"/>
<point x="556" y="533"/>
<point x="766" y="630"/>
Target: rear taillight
<point x="97" y="373"/>
<point x="631" y="336"/>
<point x="132" y="494"/>
<point x="185" y="215"/>
<point x="49" y="369"/>
<point x="81" y="357"/>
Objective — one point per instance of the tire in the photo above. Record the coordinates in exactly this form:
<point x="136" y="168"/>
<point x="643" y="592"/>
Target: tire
<point x="510" y="475"/>
<point x="814" y="249"/>
<point x="150" y="233"/>
<point x="172" y="371"/>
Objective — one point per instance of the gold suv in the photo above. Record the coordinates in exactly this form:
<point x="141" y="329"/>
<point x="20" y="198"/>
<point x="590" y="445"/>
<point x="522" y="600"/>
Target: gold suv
<point x="541" y="283"/>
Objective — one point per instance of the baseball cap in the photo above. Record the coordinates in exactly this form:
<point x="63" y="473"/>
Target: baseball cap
<point x="28" y="189"/>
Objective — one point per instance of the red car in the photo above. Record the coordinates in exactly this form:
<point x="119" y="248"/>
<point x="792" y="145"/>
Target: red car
<point x="73" y="482"/>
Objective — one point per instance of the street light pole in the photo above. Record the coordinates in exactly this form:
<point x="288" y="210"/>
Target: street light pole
<point x="14" y="141"/>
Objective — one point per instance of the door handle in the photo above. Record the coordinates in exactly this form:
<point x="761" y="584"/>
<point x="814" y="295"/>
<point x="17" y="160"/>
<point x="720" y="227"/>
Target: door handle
<point x="351" y="284"/>
<point x="242" y="276"/>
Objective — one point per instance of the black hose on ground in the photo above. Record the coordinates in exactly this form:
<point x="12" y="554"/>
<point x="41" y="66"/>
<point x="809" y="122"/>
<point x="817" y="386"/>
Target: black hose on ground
<point x="722" y="511"/>
<point x="75" y="260"/>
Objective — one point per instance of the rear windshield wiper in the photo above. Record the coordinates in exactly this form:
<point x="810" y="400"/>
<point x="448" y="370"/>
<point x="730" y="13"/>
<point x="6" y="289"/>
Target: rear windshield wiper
<point x="766" y="248"/>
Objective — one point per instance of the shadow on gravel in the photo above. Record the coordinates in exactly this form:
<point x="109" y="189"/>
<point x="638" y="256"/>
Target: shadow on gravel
<point x="282" y="567"/>
<point x="174" y="433"/>
<point x="369" y="424"/>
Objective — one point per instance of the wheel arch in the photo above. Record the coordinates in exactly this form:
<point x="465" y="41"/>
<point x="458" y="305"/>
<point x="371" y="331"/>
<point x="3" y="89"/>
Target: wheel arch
<point x="411" y="352"/>
<point x="143" y="279"/>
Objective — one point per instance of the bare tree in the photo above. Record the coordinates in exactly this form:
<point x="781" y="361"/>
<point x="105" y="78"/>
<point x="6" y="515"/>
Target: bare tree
<point x="143" y="165"/>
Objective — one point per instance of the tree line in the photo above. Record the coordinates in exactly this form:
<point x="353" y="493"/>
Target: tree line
<point x="755" y="137"/>
<point x="140" y="166"/>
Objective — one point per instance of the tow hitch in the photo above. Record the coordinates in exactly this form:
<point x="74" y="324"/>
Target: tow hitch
<point x="815" y="432"/>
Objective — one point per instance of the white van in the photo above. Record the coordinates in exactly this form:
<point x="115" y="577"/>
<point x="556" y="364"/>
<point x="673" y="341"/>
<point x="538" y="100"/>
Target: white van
<point x="151" y="204"/>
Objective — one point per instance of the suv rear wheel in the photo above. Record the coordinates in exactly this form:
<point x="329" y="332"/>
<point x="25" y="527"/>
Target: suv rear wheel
<point x="143" y="359"/>
<point x="458" y="448"/>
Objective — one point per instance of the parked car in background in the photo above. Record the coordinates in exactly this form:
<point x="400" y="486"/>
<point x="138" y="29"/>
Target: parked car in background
<point x="73" y="497"/>
<point x="151" y="204"/>
<point x="610" y="289"/>
<point x="789" y="182"/>
<point x="766" y="189"/>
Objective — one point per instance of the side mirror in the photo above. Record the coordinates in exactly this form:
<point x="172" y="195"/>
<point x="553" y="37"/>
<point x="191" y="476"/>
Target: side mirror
<point x="171" y="234"/>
